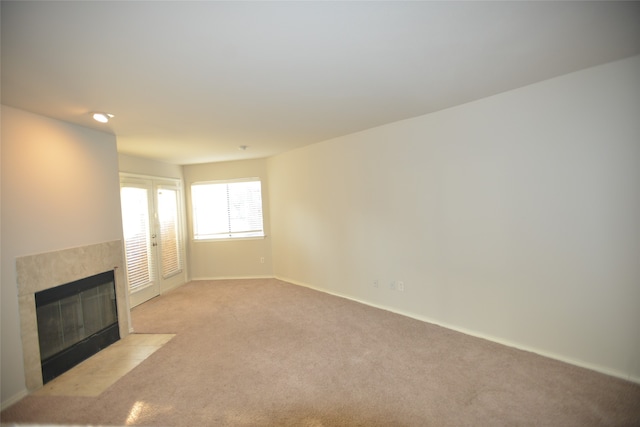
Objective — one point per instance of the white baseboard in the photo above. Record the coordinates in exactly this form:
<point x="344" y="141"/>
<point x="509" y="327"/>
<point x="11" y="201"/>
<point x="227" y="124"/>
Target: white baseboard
<point x="13" y="399"/>
<point x="231" y="278"/>
<point x="579" y="363"/>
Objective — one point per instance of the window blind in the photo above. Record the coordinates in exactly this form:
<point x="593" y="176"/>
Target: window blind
<point x="227" y="209"/>
<point x="170" y="246"/>
<point x="135" y="215"/>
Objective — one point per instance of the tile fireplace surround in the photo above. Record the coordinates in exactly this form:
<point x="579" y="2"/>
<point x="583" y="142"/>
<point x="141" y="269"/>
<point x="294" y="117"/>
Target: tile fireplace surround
<point x="38" y="272"/>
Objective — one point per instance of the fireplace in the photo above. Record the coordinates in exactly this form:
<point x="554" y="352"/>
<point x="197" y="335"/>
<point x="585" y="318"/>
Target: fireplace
<point x="43" y="271"/>
<point x="75" y="321"/>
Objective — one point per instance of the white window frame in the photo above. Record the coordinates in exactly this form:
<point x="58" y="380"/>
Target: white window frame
<point x="226" y="235"/>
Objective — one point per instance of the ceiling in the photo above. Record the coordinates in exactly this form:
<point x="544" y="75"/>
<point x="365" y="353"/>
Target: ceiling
<point x="190" y="82"/>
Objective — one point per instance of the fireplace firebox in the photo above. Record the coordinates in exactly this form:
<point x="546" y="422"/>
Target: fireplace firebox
<point x="75" y="321"/>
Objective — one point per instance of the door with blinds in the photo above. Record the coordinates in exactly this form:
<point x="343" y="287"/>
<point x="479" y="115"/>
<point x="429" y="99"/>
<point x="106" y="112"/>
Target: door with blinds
<point x="153" y="236"/>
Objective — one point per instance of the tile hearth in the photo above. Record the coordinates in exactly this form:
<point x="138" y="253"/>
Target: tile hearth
<point x="93" y="376"/>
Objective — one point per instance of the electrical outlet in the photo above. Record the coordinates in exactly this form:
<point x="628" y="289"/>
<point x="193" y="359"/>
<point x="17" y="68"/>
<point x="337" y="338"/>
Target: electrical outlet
<point x="375" y="284"/>
<point x="400" y="286"/>
<point x="261" y="260"/>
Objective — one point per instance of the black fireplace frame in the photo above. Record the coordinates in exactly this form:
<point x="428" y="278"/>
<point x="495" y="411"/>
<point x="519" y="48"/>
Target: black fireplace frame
<point x="66" y="359"/>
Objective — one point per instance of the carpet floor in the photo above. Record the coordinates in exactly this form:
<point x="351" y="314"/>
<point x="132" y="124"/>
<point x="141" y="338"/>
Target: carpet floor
<point x="268" y="353"/>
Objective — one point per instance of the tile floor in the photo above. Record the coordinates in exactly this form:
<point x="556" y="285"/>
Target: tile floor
<point x="96" y="374"/>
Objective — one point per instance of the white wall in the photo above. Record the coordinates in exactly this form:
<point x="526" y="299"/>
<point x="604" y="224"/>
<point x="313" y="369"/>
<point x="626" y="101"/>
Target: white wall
<point x="142" y="166"/>
<point x="59" y="190"/>
<point x="239" y="258"/>
<point x="516" y="217"/>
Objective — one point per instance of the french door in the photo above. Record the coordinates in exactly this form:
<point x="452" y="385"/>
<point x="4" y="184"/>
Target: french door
<point x="153" y="237"/>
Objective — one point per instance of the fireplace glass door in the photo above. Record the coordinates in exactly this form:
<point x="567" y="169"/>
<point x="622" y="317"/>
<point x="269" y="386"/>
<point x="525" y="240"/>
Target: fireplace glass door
<point x="75" y="321"/>
<point x="74" y="318"/>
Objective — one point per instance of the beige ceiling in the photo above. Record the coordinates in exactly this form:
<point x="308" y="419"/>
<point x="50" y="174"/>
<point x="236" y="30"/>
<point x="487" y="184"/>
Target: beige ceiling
<point x="189" y="82"/>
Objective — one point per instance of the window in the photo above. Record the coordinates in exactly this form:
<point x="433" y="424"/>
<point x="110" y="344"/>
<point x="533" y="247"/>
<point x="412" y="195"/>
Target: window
<point x="227" y="209"/>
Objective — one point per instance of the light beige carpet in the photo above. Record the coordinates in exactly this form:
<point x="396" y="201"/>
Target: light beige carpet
<point x="268" y="353"/>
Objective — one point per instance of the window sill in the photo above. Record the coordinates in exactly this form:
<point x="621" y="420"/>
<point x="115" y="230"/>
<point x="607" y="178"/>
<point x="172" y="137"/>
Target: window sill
<point x="227" y="239"/>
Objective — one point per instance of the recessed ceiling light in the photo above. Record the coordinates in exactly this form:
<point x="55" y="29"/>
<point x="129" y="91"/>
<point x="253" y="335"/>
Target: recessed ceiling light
<point x="102" y="117"/>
